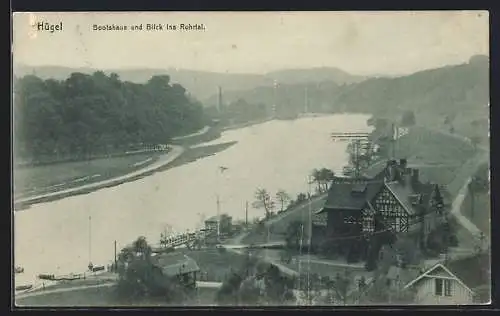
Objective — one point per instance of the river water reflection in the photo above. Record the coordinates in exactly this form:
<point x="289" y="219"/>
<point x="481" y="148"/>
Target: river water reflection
<point x="54" y="237"/>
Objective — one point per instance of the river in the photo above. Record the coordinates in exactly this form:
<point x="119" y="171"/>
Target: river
<point x="54" y="237"/>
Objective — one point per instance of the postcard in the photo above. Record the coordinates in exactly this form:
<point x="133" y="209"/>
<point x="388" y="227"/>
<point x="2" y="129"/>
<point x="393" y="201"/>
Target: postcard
<point x="251" y="158"/>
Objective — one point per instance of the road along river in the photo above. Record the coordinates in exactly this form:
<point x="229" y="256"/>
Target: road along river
<point x="63" y="236"/>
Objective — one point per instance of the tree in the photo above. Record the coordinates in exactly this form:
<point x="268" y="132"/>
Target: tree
<point x="301" y="197"/>
<point x="142" y="248"/>
<point x="263" y="200"/>
<point x="283" y="198"/>
<point x="477" y="184"/>
<point x="340" y="286"/>
<point x="228" y="293"/>
<point x="326" y="176"/>
<point x="408" y="118"/>
<point x="256" y="283"/>
<point x="317" y="177"/>
<point x="293" y="234"/>
<point x="140" y="278"/>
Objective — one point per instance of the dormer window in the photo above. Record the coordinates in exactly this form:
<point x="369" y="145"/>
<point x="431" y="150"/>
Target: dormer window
<point x="442" y="287"/>
<point x="415" y="199"/>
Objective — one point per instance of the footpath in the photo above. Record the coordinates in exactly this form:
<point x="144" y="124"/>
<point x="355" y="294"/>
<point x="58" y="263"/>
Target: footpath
<point x="162" y="161"/>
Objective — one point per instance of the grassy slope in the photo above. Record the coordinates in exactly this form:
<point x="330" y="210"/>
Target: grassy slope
<point x="190" y="155"/>
<point x="482" y="211"/>
<point x="420" y="146"/>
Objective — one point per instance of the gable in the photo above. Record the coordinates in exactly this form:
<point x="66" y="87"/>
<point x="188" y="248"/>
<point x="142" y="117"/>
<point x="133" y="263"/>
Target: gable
<point x="437" y="271"/>
<point x="440" y="272"/>
<point x="386" y="198"/>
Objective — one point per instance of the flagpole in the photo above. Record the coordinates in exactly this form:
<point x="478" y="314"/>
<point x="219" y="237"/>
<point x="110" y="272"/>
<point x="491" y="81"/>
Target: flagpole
<point x="220" y="170"/>
<point x="90" y="241"/>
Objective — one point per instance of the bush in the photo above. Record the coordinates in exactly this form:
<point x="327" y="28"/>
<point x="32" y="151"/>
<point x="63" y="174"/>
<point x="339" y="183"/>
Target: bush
<point x="371" y="263"/>
<point x="353" y="256"/>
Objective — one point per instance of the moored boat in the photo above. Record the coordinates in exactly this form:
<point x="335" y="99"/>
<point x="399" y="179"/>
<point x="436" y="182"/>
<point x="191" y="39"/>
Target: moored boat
<point x="24" y="287"/>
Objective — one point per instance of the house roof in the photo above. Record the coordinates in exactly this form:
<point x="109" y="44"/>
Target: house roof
<point x="173" y="264"/>
<point x="375" y="171"/>
<point x="465" y="271"/>
<point x="405" y="192"/>
<point x="351" y="194"/>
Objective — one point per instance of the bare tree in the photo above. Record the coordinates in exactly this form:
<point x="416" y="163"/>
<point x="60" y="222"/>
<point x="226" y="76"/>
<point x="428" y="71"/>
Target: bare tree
<point x="326" y="175"/>
<point x="263" y="200"/>
<point x="317" y="177"/>
<point x="283" y="198"/>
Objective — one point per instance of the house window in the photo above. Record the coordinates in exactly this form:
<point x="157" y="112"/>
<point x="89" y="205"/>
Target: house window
<point x="442" y="287"/>
<point x="350" y="220"/>
<point x="447" y="287"/>
<point x="368" y="225"/>
<point x="398" y="224"/>
<point x="438" y="287"/>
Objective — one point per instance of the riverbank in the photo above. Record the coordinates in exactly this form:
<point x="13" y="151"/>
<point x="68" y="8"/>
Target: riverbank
<point x="177" y="157"/>
<point x="246" y="124"/>
<point x="38" y="180"/>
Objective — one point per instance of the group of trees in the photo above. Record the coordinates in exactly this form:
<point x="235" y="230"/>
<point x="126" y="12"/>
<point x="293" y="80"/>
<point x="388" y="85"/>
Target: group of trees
<point x="408" y="118"/>
<point x="88" y="115"/>
<point x="140" y="279"/>
<point x="263" y="199"/>
<point x="322" y="177"/>
<point x="240" y="111"/>
<point x="256" y="283"/>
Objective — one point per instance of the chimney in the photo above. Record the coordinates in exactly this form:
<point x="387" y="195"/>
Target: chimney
<point x="415" y="177"/>
<point x="403" y="163"/>
<point x="391" y="169"/>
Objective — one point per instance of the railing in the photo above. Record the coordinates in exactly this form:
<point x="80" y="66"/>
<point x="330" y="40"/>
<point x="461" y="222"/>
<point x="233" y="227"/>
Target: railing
<point x="346" y="136"/>
<point x="180" y="239"/>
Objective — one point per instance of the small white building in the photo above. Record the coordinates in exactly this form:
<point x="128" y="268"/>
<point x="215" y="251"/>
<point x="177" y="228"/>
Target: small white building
<point x="461" y="282"/>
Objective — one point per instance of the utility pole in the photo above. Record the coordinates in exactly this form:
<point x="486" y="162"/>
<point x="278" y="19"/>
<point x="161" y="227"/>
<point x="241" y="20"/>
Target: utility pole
<point x="218" y="218"/>
<point x="356" y="145"/>
<point x="116" y="260"/>
<point x="309" y="245"/>
<point x="306" y="103"/>
<point x="90" y="242"/>
<point x="219" y="103"/>
<point x="394" y="140"/>
<point x="246" y="214"/>
<point x="275" y="96"/>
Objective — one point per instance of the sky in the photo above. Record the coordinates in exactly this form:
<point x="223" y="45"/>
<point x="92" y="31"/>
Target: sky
<point x="364" y="43"/>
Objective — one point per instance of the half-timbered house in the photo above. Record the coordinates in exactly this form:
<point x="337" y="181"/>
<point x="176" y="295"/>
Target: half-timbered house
<point x="395" y="201"/>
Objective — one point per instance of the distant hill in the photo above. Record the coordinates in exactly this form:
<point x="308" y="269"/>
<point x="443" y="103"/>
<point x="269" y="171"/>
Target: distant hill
<point x="203" y="84"/>
<point x="443" y="90"/>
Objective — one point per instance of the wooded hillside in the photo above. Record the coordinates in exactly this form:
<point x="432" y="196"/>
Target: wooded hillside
<point x="88" y="115"/>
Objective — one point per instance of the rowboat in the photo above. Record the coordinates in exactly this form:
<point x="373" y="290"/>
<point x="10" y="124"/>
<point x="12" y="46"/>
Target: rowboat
<point x="24" y="287"/>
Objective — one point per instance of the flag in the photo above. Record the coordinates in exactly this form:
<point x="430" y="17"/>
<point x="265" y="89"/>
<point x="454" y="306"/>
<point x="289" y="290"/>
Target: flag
<point x="398" y="132"/>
